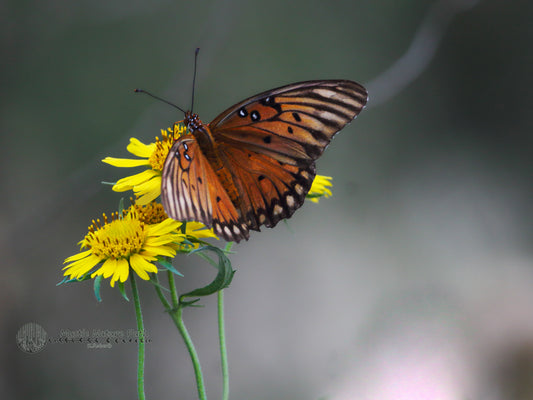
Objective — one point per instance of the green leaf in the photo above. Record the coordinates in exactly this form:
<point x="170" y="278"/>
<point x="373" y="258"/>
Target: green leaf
<point x="122" y="290"/>
<point x="168" y="265"/>
<point x="108" y="183"/>
<point x="190" y="303"/>
<point x="66" y="280"/>
<point x="223" y="278"/>
<point x="96" y="287"/>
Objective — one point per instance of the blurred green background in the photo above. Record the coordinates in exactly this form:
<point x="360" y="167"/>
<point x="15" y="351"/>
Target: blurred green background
<point x="414" y="281"/>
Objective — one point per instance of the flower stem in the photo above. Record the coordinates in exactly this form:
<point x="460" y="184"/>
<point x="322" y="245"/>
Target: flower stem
<point x="222" y="339"/>
<point x="140" y="338"/>
<point x="173" y="291"/>
<point x="177" y="316"/>
<point x="223" y="350"/>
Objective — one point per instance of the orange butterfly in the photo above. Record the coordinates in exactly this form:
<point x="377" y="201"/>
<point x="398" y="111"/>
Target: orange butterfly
<point x="254" y="164"/>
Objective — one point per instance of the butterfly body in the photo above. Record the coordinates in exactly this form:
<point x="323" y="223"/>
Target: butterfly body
<point x="254" y="164"/>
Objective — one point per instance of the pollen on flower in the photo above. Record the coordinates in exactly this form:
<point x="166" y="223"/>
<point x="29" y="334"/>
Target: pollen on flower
<point x="151" y="213"/>
<point x="118" y="238"/>
<point x="162" y="147"/>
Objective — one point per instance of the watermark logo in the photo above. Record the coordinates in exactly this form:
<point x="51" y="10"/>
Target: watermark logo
<point x="31" y="338"/>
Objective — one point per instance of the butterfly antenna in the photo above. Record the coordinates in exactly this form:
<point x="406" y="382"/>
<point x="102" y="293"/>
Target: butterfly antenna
<point x="194" y="76"/>
<point x="159" y="98"/>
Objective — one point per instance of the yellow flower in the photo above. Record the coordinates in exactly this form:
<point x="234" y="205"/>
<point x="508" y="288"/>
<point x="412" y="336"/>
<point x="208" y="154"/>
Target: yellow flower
<point x="147" y="184"/>
<point x="130" y="241"/>
<point x="319" y="188"/>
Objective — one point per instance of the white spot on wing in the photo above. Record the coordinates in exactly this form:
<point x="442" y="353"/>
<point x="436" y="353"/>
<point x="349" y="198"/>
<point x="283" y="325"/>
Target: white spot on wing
<point x="227" y="231"/>
<point x="290" y="201"/>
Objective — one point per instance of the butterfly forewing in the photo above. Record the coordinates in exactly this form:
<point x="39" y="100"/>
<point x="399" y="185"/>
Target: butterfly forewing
<point x="293" y="123"/>
<point x="191" y="191"/>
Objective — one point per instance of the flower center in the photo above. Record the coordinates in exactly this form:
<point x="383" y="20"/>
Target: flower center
<point x="152" y="213"/>
<point x="116" y="239"/>
<point x="162" y="147"/>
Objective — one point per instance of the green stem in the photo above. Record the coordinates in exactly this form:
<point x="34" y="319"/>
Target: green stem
<point x="177" y="316"/>
<point x="223" y="350"/>
<point x="222" y="340"/>
<point x="140" y="338"/>
<point x="173" y="291"/>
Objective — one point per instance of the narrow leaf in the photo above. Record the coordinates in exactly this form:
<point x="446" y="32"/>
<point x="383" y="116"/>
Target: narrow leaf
<point x="96" y="287"/>
<point x="223" y="278"/>
<point x="168" y="265"/>
<point x="123" y="291"/>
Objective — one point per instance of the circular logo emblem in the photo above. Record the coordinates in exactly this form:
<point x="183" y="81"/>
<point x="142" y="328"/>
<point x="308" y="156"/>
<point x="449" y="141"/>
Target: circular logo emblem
<point x="31" y="338"/>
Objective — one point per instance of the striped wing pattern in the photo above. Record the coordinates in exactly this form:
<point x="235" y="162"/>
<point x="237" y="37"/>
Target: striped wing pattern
<point x="191" y="191"/>
<point x="294" y="123"/>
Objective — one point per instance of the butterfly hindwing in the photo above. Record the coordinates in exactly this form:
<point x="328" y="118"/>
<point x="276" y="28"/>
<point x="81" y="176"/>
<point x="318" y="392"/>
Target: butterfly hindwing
<point x="269" y="190"/>
<point x="294" y="123"/>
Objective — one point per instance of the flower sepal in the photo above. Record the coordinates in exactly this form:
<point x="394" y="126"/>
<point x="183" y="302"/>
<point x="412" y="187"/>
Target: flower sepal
<point x="122" y="290"/>
<point x="66" y="279"/>
<point x="96" y="287"/>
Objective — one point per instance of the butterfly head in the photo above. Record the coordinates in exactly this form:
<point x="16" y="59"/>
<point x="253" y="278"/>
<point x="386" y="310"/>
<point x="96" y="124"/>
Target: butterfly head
<point x="192" y="121"/>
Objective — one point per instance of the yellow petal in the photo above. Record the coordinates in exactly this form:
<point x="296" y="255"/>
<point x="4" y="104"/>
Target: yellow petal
<point x="154" y="184"/>
<point x="199" y="230"/>
<point x="141" y="266"/>
<point x="136" y="147"/>
<point x="122" y="272"/>
<point x="129" y="182"/>
<point x="159" y="251"/>
<point x="78" y="256"/>
<point x="109" y="267"/>
<point x="85" y="265"/>
<point x="166" y="226"/>
<point x="125" y="162"/>
<point x="144" y="199"/>
<point x="165" y="239"/>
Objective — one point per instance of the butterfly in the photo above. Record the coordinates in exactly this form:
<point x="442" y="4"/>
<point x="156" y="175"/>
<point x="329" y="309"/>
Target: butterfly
<point x="254" y="164"/>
